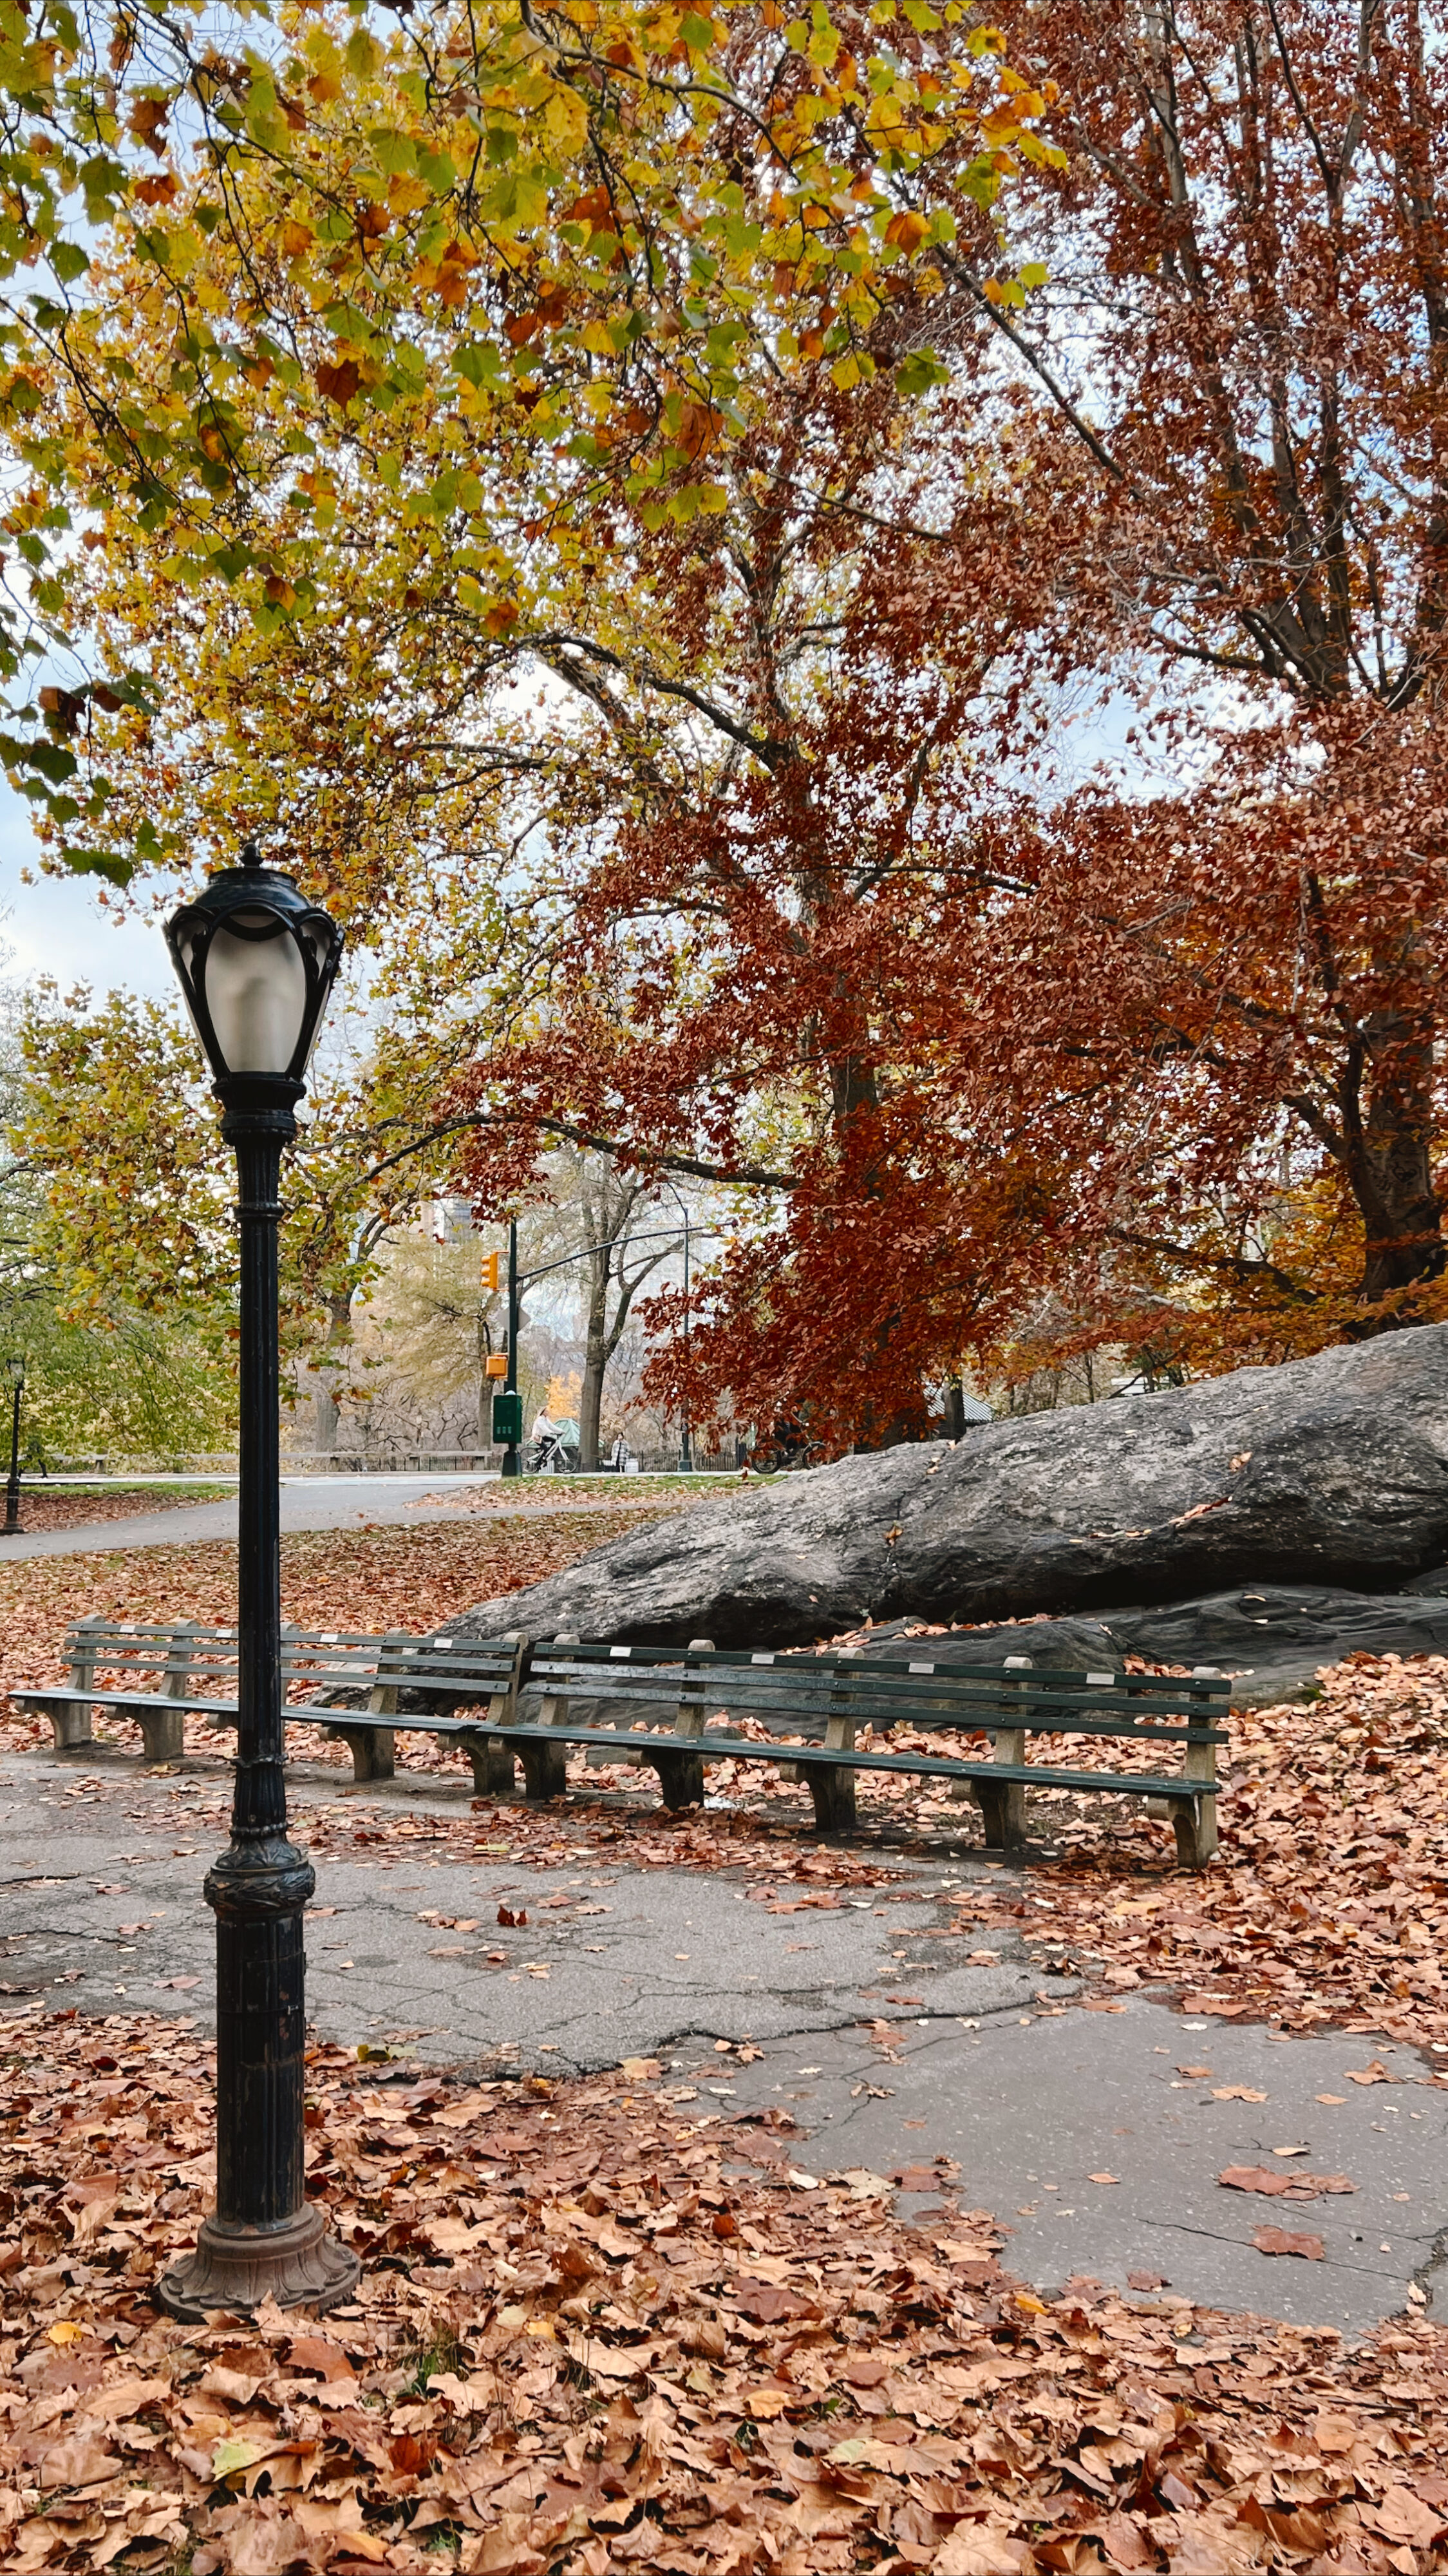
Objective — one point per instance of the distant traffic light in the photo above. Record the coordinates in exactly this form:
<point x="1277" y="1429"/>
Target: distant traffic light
<point x="490" y="1269"/>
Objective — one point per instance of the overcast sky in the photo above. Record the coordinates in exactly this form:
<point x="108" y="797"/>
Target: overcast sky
<point x="56" y="927"/>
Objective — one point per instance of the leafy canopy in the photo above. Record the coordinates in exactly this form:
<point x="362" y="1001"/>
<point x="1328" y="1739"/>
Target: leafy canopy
<point x="573" y="220"/>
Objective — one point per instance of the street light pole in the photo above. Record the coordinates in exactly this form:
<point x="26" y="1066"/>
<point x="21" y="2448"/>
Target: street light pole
<point x="686" y="1445"/>
<point x="512" y="1463"/>
<point x="12" y="1528"/>
<point x="256" y="965"/>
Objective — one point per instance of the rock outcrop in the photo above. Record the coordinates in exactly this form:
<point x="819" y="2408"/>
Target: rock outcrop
<point x="1329" y="1471"/>
<point x="1273" y="1639"/>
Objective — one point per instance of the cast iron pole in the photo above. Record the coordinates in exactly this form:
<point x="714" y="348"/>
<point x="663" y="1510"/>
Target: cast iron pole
<point x="512" y="1462"/>
<point x="263" y="2238"/>
<point x="686" y="1447"/>
<point x="12" y="1527"/>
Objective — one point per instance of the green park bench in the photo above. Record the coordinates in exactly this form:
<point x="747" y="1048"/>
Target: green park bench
<point x="814" y="1706"/>
<point x="349" y="1685"/>
<point x="671" y="1708"/>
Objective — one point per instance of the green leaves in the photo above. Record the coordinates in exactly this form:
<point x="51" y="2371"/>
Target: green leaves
<point x="554" y="252"/>
<point x="393" y="152"/>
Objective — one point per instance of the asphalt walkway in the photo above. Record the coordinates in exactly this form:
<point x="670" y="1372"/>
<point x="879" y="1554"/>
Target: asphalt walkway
<point x="307" y="1503"/>
<point x="1095" y="2137"/>
<point x="328" y="1502"/>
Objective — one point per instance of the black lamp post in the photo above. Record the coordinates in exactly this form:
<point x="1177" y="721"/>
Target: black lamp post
<point x="508" y="1420"/>
<point x="11" y="1527"/>
<point x="257" y="963"/>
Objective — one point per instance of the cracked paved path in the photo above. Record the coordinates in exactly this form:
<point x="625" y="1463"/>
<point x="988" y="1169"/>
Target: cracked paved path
<point x="100" y="1901"/>
<point x="1041" y="2118"/>
<point x="991" y="2062"/>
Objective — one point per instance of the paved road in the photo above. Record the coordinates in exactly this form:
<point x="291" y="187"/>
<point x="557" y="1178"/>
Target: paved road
<point x="308" y="1503"/>
<point x="991" y="2061"/>
<point x="321" y="1503"/>
<point x="1035" y="2113"/>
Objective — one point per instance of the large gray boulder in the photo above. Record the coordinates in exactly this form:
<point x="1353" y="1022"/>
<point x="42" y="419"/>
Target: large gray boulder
<point x="1272" y="1638"/>
<point x="1330" y="1471"/>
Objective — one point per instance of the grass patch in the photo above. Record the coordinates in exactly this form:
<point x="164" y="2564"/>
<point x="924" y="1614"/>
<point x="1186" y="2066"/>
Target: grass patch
<point x="440" y="2352"/>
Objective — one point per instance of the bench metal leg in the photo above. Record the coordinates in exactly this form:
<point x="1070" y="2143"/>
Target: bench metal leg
<point x="545" y="1771"/>
<point x="163" y="1734"/>
<point x="681" y="1778"/>
<point x="1196" y="1825"/>
<point x="681" y="1775"/>
<point x="832" y="1787"/>
<point x="371" y="1750"/>
<point x="72" y="1726"/>
<point x="494" y="1775"/>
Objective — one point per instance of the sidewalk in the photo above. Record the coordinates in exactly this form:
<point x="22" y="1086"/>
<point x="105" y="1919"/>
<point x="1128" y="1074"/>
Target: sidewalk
<point x="308" y="1503"/>
<point x="1096" y="2138"/>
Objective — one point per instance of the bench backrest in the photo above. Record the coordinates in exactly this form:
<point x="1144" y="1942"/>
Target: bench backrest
<point x="135" y="1648"/>
<point x="787" y="1692"/>
<point x="793" y="1692"/>
<point x="406" y="1662"/>
<point x="332" y="1659"/>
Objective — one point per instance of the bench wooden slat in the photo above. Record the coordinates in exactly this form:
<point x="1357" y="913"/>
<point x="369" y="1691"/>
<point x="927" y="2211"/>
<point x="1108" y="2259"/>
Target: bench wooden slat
<point x="942" y="1766"/>
<point x="121" y="1701"/>
<point x="806" y="1688"/>
<point x="790" y="1660"/>
<point x="968" y="1720"/>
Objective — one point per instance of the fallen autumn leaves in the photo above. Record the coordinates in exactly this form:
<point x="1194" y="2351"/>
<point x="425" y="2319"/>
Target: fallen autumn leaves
<point x="374" y="1577"/>
<point x="1323" y="1906"/>
<point x="597" y="2334"/>
<point x="43" y="1507"/>
<point x="594" y="2333"/>
<point x="1325" y="1902"/>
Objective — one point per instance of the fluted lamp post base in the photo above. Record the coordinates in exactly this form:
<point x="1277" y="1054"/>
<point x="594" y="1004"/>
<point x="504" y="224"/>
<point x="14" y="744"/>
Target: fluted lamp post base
<point x="297" y="2264"/>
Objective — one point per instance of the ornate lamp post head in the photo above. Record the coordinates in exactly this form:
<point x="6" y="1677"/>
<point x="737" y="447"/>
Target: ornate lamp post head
<point x="256" y="964"/>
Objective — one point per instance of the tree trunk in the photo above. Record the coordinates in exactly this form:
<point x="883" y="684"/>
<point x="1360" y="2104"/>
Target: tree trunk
<point x="326" y="1371"/>
<point x="595" y="1358"/>
<point x="1389" y="1160"/>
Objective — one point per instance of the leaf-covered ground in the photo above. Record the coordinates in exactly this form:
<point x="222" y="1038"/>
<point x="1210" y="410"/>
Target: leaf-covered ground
<point x="377" y="1577"/>
<point x="567" y="1493"/>
<point x="597" y="2332"/>
<point x="43" y="1507"/>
